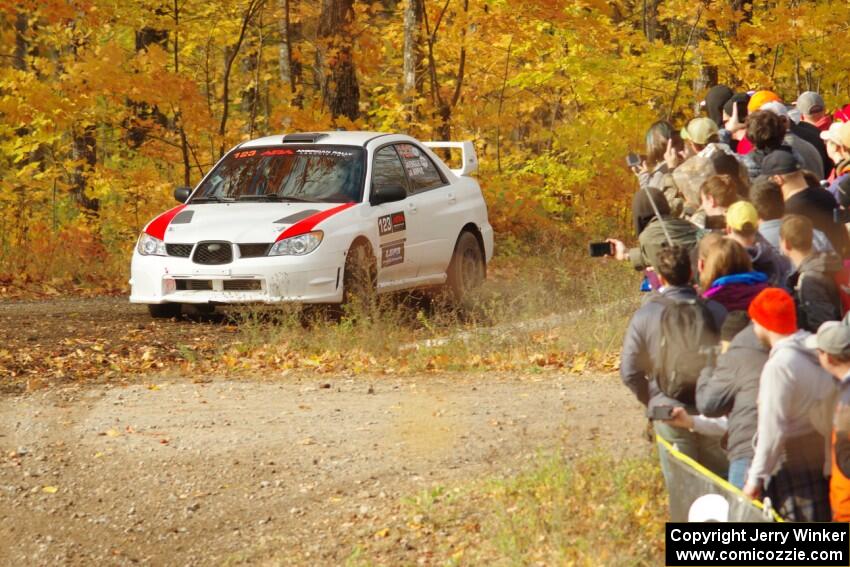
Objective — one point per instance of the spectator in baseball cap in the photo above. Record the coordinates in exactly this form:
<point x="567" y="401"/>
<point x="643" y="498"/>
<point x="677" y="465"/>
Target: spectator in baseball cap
<point x="813" y="121"/>
<point x="803" y="199"/>
<point x="837" y="139"/>
<point x="702" y="147"/>
<point x="742" y="223"/>
<point x="760" y="98"/>
<point x="813" y="110"/>
<point x="699" y="133"/>
<point x="793" y="415"/>
<point x="832" y="343"/>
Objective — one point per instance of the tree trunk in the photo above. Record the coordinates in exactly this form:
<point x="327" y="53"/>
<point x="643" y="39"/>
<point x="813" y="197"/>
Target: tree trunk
<point x="340" y="89"/>
<point x="138" y="124"/>
<point x="412" y="52"/>
<point x="230" y="54"/>
<point x="705" y="79"/>
<point x="19" y="61"/>
<point x="84" y="150"/>
<point x="178" y="120"/>
<point x="287" y="74"/>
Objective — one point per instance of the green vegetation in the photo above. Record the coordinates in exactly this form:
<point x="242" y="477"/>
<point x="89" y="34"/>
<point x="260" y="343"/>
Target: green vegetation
<point x="592" y="511"/>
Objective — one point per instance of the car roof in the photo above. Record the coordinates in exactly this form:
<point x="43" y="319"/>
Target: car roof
<point x="338" y="137"/>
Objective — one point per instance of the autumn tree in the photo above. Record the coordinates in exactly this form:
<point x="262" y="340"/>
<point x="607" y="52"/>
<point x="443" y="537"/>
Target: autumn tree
<point x="105" y="106"/>
<point x="335" y="59"/>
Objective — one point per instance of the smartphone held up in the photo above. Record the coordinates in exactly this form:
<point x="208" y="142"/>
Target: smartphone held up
<point x="600" y="249"/>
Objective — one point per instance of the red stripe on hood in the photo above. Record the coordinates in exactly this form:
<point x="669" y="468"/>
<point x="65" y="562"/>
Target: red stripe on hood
<point x="306" y="225"/>
<point x="157" y="226"/>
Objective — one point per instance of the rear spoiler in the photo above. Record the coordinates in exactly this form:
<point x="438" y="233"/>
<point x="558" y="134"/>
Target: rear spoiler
<point x="470" y="159"/>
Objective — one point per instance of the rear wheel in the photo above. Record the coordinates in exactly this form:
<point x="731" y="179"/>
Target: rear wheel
<point x="164" y="310"/>
<point x="467" y="268"/>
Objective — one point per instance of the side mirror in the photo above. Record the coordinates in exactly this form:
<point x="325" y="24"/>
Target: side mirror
<point x="181" y="194"/>
<point x="388" y="194"/>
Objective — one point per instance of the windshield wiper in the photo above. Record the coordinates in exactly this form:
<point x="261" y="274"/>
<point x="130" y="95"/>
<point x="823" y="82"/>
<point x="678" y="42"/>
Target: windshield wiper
<point x="211" y="199"/>
<point x="275" y="197"/>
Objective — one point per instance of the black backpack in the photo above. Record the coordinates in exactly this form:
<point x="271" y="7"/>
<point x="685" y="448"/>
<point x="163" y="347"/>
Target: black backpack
<point x="689" y="337"/>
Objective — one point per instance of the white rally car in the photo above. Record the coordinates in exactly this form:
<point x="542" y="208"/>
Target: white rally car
<point x="296" y="218"/>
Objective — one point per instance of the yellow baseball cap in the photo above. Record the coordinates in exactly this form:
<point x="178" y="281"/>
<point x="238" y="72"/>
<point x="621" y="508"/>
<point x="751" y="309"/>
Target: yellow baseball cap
<point x="760" y="98"/>
<point x="699" y="130"/>
<point x="741" y="213"/>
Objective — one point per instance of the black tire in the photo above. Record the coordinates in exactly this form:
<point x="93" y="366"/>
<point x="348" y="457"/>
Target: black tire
<point x="164" y="310"/>
<point x="360" y="277"/>
<point x="467" y="269"/>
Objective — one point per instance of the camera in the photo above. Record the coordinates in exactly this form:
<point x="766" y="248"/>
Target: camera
<point x="660" y="413"/>
<point x="599" y="249"/>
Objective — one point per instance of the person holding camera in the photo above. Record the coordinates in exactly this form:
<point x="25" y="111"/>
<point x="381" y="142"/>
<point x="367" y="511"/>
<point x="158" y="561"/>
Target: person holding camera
<point x="664" y="351"/>
<point x="656" y="229"/>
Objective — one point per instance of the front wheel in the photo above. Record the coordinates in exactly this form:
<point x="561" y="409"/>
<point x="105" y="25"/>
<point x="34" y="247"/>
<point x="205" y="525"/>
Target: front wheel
<point x="164" y="310"/>
<point x="359" y="281"/>
<point x="467" y="268"/>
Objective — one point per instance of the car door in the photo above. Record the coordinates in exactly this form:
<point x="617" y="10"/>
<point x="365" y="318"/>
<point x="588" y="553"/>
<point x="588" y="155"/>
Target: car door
<point x="395" y="228"/>
<point x="432" y="201"/>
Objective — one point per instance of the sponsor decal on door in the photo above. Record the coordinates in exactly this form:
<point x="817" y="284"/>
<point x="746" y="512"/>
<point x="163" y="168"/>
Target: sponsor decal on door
<point x="389" y="224"/>
<point x="392" y="253"/>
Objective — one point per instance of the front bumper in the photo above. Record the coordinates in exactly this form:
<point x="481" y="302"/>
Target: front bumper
<point x="313" y="278"/>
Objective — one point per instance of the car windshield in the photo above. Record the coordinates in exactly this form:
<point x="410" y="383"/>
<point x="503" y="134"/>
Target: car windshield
<point x="331" y="174"/>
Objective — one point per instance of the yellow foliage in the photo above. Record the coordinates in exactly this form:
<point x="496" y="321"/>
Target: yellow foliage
<point x="554" y="95"/>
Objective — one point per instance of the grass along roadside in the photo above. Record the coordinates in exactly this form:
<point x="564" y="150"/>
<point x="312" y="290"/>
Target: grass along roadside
<point x="595" y="509"/>
<point x="591" y="511"/>
<point x="537" y="313"/>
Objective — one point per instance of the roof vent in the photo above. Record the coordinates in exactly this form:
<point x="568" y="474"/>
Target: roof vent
<point x="305" y="138"/>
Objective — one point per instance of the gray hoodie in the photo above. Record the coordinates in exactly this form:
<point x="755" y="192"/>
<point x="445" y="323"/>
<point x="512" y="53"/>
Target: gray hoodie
<point x="796" y="398"/>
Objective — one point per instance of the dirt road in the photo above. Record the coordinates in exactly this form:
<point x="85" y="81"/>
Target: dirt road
<point x="177" y="473"/>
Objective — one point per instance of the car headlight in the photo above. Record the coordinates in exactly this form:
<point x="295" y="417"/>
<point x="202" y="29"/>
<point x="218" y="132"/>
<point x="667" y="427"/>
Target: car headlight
<point x="297" y="245"/>
<point x="150" y="246"/>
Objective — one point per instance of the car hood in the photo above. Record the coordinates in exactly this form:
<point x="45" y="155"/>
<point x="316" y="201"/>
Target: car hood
<point x="234" y="222"/>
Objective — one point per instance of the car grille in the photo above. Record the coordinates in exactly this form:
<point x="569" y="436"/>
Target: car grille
<point x="253" y="250"/>
<point x="180" y="250"/>
<point x="241" y="285"/>
<point x="213" y="253"/>
<point x="194" y="285"/>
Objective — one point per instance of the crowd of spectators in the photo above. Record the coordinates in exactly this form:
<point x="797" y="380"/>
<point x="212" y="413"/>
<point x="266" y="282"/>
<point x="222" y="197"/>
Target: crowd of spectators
<point x="740" y="351"/>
